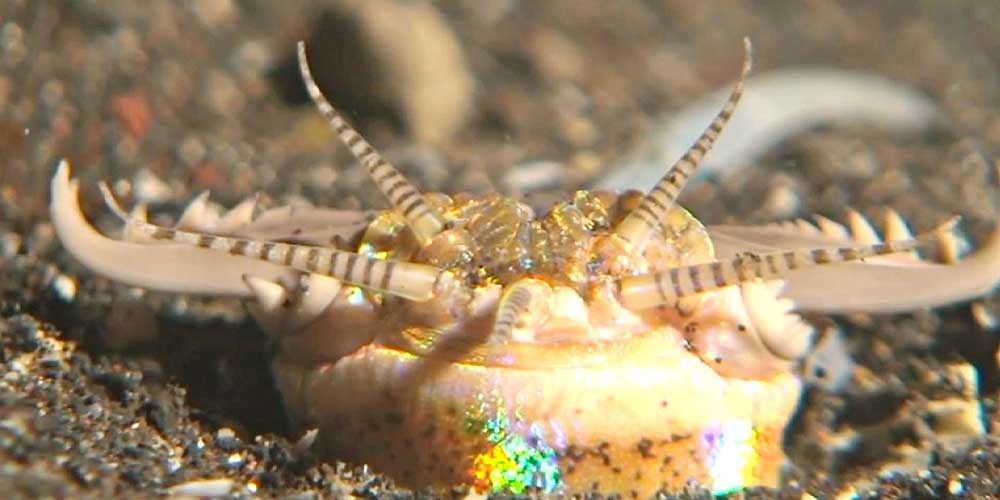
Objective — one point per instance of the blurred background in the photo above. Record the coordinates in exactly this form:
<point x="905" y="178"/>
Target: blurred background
<point x="173" y="97"/>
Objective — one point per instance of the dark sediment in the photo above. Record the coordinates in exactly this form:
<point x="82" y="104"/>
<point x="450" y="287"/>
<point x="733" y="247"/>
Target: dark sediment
<point x="109" y="392"/>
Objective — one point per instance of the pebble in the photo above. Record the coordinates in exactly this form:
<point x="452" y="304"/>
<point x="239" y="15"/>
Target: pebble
<point x="216" y="13"/>
<point x="225" y="439"/>
<point x="10" y="244"/>
<point x="192" y="150"/>
<point x="223" y="96"/>
<point x="235" y="460"/>
<point x="955" y="486"/>
<point x="173" y="465"/>
<point x="42" y="236"/>
<point x="782" y="201"/>
<point x="557" y="58"/>
<point x="65" y="287"/>
<point x="985" y="315"/>
<point x="532" y="176"/>
<point x="419" y="59"/>
<point x="959" y="417"/>
<point x="322" y="176"/>
<point x="148" y="188"/>
<point x="829" y="364"/>
<point x="203" y="488"/>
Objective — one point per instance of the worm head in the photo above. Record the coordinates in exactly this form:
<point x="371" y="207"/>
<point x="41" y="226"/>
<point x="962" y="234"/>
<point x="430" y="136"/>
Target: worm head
<point x="477" y="340"/>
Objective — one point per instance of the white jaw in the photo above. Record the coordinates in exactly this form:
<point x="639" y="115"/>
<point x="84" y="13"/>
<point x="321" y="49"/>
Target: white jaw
<point x="283" y="301"/>
<point x="160" y="266"/>
<point x="889" y="284"/>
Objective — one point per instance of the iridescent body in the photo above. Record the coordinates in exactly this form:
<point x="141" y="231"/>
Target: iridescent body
<point x="583" y="395"/>
<point x="609" y="343"/>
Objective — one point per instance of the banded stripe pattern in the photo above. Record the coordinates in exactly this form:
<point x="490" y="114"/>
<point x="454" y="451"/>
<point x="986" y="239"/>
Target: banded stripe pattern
<point x="407" y="280"/>
<point x="669" y="286"/>
<point x="512" y="306"/>
<point x="419" y="215"/>
<point x="645" y="219"/>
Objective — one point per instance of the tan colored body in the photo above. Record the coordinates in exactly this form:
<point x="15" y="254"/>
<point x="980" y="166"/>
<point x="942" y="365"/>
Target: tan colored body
<point x="610" y="344"/>
<point x="635" y="418"/>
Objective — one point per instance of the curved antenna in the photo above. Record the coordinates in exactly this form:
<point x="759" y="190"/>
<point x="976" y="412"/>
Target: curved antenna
<point x="408" y="280"/>
<point x="644" y="220"/>
<point x="423" y="220"/>
<point x="515" y="302"/>
<point x="669" y="286"/>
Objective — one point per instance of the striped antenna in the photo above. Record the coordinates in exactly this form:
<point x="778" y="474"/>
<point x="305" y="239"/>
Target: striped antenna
<point x="407" y="280"/>
<point x="514" y="303"/>
<point x="669" y="286"/>
<point x="422" y="219"/>
<point x="644" y="220"/>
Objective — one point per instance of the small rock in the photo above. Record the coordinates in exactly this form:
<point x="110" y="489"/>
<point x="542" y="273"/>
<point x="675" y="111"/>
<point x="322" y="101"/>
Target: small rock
<point x="226" y="440"/>
<point x="148" y="188"/>
<point x="10" y="244"/>
<point x="203" y="488"/>
<point x="322" y="176"/>
<point x="956" y="486"/>
<point x="192" y="150"/>
<point x="556" y="57"/>
<point x="133" y="112"/>
<point x="235" y="460"/>
<point x="417" y="58"/>
<point x="224" y="95"/>
<point x="65" y="287"/>
<point x="120" y="383"/>
<point x="160" y="416"/>
<point x="216" y="13"/>
<point x="173" y="465"/>
<point x="532" y="176"/>
<point x="959" y="416"/>
<point x="829" y="364"/>
<point x="42" y="236"/>
<point x="782" y="201"/>
<point x="985" y="315"/>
